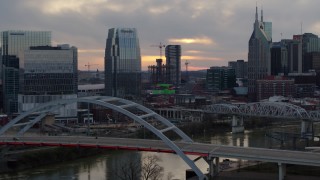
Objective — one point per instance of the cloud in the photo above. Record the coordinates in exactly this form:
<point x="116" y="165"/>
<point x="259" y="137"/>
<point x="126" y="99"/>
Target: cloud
<point x="193" y="51"/>
<point x="315" y="28"/>
<point x="196" y="40"/>
<point x="212" y="30"/>
<point x="91" y="50"/>
<point x="159" y="10"/>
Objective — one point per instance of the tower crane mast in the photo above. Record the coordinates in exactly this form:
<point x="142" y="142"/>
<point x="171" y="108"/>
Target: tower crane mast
<point x="89" y="65"/>
<point x="160" y="46"/>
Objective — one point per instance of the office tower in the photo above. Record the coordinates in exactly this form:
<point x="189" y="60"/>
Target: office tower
<point x="1" y="85"/>
<point x="279" y="59"/>
<point x="46" y="74"/>
<point x="294" y="53"/>
<point x="122" y="63"/>
<point x="310" y="43"/>
<point x="173" y="63"/>
<point x="259" y="53"/>
<point x="241" y="68"/>
<point x="220" y="78"/>
<point x="13" y="44"/>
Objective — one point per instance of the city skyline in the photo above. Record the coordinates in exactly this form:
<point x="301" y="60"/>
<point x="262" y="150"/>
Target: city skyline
<point x="210" y="33"/>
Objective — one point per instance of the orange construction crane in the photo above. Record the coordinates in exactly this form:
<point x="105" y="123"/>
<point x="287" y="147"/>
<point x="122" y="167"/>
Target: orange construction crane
<point x="160" y="46"/>
<point x="89" y="65"/>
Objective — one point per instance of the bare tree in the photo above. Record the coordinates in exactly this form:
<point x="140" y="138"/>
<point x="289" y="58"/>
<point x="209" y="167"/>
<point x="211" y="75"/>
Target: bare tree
<point x="146" y="168"/>
<point x="129" y="170"/>
<point x="151" y="170"/>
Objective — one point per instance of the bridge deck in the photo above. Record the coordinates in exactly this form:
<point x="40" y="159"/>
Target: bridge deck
<point x="258" y="154"/>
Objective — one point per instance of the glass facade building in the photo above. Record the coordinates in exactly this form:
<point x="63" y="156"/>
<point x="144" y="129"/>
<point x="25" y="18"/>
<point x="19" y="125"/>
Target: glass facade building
<point x="220" y="78"/>
<point x="46" y="74"/>
<point x="122" y="63"/>
<point x="173" y="64"/>
<point x="13" y="44"/>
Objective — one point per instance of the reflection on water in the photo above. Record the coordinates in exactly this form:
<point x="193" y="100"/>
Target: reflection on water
<point x="102" y="167"/>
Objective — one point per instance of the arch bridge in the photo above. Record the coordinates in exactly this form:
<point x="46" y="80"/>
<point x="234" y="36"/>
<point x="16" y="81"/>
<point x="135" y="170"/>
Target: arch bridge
<point x="133" y="110"/>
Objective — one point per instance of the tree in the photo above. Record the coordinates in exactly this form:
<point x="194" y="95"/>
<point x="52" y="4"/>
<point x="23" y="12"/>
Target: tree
<point x="135" y="168"/>
<point x="151" y="170"/>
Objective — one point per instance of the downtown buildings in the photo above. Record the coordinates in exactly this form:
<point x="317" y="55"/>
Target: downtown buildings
<point x="34" y="72"/>
<point x="170" y="72"/>
<point x="13" y="44"/>
<point x="122" y="63"/>
<point x="173" y="64"/>
<point x="259" y="53"/>
<point x="47" y="74"/>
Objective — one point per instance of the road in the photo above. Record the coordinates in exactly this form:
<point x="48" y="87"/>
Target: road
<point x="212" y="150"/>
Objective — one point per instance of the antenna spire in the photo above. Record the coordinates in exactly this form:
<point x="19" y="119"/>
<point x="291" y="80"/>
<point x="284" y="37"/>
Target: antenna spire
<point x="256" y="11"/>
<point x="261" y="14"/>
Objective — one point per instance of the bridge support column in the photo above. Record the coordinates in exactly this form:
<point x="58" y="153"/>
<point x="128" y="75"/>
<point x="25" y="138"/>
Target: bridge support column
<point x="282" y="171"/>
<point x="307" y="129"/>
<point x="237" y="125"/>
<point x="213" y="166"/>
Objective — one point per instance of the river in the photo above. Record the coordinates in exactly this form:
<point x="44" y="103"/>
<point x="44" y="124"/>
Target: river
<point x="102" y="167"/>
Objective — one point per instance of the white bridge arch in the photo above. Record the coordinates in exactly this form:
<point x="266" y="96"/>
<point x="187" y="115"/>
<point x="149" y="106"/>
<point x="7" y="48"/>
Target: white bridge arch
<point x="121" y="106"/>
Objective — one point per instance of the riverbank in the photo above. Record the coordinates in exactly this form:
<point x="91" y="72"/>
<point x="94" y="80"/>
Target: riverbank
<point x="236" y="170"/>
<point x="22" y="160"/>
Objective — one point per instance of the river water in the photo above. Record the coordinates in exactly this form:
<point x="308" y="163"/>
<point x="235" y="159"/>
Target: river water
<point x="102" y="167"/>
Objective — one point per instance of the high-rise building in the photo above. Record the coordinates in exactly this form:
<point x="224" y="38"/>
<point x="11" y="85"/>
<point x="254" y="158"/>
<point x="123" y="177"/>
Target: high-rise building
<point x="122" y="63"/>
<point x="294" y="53"/>
<point x="173" y="64"/>
<point x="220" y="78"/>
<point x="259" y="53"/>
<point x="46" y="74"/>
<point x="310" y="43"/>
<point x="13" y="44"/>
<point x="279" y="59"/>
<point x="241" y="68"/>
<point x="157" y="72"/>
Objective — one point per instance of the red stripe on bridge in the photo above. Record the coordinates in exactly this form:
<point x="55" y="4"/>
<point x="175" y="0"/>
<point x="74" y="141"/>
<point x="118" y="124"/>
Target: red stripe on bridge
<point x="127" y="148"/>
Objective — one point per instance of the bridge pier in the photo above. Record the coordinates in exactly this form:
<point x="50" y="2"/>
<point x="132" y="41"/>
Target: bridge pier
<point x="237" y="125"/>
<point x="282" y="171"/>
<point x="213" y="166"/>
<point x="307" y="129"/>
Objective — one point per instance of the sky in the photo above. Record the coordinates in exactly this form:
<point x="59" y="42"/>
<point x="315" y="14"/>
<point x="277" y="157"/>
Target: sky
<point x="210" y="32"/>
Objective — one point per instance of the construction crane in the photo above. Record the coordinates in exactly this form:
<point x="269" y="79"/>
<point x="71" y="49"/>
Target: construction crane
<point x="186" y="63"/>
<point x="160" y="46"/>
<point x="187" y="74"/>
<point x="89" y="65"/>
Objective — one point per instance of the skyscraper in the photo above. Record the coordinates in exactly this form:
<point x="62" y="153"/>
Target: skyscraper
<point x="13" y="44"/>
<point x="173" y="64"/>
<point x="310" y="43"/>
<point x="279" y="59"/>
<point x="294" y="52"/>
<point x="46" y="74"/>
<point x="122" y="63"/>
<point x="259" y="53"/>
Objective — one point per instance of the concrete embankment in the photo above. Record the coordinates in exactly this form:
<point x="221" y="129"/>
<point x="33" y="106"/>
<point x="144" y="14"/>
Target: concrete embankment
<point x="22" y="159"/>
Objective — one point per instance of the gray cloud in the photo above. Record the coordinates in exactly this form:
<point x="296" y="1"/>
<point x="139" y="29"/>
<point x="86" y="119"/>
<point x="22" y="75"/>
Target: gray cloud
<point x="228" y="24"/>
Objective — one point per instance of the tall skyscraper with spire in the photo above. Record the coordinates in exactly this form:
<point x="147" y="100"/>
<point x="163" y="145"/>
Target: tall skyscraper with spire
<point x="259" y="53"/>
<point x="122" y="63"/>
